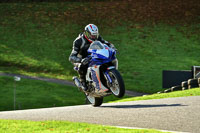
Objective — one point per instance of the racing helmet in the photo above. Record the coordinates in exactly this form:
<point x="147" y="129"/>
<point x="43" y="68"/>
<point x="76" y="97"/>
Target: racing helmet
<point x="91" y="32"/>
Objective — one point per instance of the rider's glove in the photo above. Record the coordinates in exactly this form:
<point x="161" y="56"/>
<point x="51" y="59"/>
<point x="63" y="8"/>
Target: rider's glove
<point x="85" y="61"/>
<point x="113" y="47"/>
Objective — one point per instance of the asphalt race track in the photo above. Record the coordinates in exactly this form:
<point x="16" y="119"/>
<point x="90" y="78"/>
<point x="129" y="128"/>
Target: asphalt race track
<point x="174" y="114"/>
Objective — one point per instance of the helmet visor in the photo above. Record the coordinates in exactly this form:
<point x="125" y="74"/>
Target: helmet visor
<point x="93" y="37"/>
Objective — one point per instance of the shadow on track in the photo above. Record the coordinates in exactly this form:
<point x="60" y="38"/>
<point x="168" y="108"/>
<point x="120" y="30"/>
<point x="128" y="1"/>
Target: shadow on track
<point x="142" y="106"/>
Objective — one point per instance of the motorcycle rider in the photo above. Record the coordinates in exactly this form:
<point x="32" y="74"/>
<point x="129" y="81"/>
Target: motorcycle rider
<point x="78" y="56"/>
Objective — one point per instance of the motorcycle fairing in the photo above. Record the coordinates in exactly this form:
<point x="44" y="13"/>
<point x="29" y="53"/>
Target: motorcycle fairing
<point x="101" y="56"/>
<point x="93" y="75"/>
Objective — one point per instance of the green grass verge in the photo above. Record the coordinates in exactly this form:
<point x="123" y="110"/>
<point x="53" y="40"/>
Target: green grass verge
<point x="36" y="94"/>
<point x="31" y="94"/>
<point x="16" y="126"/>
<point x="36" y="39"/>
<point x="190" y="92"/>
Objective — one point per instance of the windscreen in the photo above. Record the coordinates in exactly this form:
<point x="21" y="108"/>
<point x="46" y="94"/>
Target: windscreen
<point x="96" y="45"/>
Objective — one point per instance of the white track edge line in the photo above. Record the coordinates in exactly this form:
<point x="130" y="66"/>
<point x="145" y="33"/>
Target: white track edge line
<point x="149" y="128"/>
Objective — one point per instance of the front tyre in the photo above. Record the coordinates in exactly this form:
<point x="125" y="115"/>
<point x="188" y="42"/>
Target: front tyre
<point x="95" y="101"/>
<point x="117" y="87"/>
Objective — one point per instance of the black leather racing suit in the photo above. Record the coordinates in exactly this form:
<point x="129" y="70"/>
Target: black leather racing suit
<point x="79" y="52"/>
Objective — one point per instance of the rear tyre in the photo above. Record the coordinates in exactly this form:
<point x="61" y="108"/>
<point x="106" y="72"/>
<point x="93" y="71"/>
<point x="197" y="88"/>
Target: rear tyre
<point x="193" y="83"/>
<point x="176" y="88"/>
<point x="117" y="88"/>
<point x="193" y="86"/>
<point x="95" y="101"/>
<point x="184" y="85"/>
<point x="199" y="81"/>
<point x="167" y="90"/>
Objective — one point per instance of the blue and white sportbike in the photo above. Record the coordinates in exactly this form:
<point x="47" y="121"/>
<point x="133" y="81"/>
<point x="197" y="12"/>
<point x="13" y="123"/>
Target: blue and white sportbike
<point x="102" y="76"/>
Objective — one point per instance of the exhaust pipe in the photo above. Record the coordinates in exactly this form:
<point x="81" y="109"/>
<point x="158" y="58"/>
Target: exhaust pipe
<point x="77" y="82"/>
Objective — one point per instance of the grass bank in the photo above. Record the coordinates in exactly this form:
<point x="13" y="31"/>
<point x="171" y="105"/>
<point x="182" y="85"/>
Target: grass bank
<point x="36" y="94"/>
<point x="15" y="126"/>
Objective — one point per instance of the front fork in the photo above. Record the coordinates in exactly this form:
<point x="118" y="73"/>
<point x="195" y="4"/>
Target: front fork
<point x="107" y="76"/>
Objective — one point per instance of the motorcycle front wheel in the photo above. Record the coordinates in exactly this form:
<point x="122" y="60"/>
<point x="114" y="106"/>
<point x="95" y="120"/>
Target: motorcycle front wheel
<point x="117" y="87"/>
<point x="95" y="101"/>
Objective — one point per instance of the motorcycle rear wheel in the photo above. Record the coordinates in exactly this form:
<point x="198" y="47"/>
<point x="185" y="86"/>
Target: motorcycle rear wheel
<point x="95" y="101"/>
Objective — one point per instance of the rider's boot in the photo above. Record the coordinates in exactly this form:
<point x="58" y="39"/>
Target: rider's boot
<point x="84" y="86"/>
<point x="83" y="82"/>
